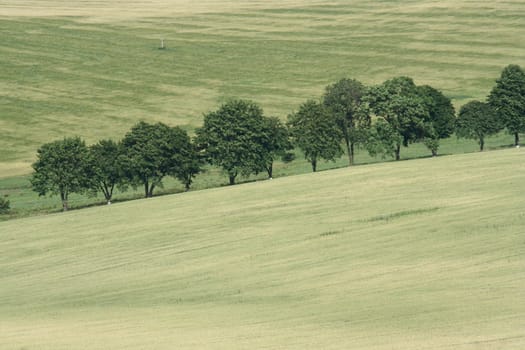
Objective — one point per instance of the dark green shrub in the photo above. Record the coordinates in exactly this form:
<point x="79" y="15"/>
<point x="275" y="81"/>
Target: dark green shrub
<point x="4" y="204"/>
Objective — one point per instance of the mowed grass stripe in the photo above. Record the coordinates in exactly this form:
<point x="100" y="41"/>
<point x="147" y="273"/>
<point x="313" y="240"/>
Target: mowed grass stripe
<point x="253" y="265"/>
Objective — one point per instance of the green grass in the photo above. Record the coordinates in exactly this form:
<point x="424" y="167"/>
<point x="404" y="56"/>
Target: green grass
<point x="300" y="262"/>
<point x="72" y="68"/>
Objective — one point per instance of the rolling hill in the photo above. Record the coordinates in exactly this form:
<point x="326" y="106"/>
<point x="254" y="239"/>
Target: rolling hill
<point x="93" y="69"/>
<point x="422" y="254"/>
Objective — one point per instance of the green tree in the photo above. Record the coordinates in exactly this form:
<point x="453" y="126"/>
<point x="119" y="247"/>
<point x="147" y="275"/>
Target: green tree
<point x="188" y="162"/>
<point x="398" y="102"/>
<point x="153" y="151"/>
<point x="106" y="163"/>
<point x="343" y="99"/>
<point x="276" y="142"/>
<point x="232" y="138"/>
<point x="383" y="139"/>
<point x="315" y="131"/>
<point x="476" y="121"/>
<point x="62" y="167"/>
<point x="441" y="117"/>
<point x="508" y="100"/>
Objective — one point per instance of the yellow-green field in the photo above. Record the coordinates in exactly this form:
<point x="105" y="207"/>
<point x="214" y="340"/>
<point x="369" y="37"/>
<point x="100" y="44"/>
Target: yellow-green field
<point x="93" y="68"/>
<point x="422" y="254"/>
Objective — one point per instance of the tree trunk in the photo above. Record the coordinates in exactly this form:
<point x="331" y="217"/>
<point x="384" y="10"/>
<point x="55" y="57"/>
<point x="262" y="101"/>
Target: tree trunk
<point x="187" y="185"/>
<point x="349" y="151"/>
<point x="481" y="144"/>
<point x="269" y="170"/>
<point x="398" y="151"/>
<point x="108" y="192"/>
<point x="516" y="139"/>
<point x="65" y="204"/>
<point x="314" y="165"/>
<point x="434" y="152"/>
<point x="150" y="192"/>
<point x="146" y="189"/>
<point x="232" y="179"/>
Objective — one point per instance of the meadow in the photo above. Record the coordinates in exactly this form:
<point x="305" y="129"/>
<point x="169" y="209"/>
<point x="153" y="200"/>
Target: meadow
<point x="93" y="69"/>
<point x="421" y="254"/>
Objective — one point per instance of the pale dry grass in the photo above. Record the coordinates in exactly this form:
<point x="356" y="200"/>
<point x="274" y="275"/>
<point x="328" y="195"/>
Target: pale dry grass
<point x="118" y="10"/>
<point x="10" y="169"/>
<point x="300" y="262"/>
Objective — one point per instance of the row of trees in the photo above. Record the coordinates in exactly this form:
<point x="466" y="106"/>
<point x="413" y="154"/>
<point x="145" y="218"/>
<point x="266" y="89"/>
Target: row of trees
<point x="241" y="140"/>
<point x="398" y="112"/>
<point x="146" y="154"/>
<point x="504" y="108"/>
<point x="237" y="137"/>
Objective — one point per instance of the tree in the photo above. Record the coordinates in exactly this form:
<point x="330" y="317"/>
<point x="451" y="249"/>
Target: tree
<point x="441" y="117"/>
<point x="276" y="142"/>
<point x="398" y="102"/>
<point x="188" y="163"/>
<point x="62" y="167"/>
<point x="232" y="138"/>
<point x="153" y="151"/>
<point x="106" y="162"/>
<point x="315" y="131"/>
<point x="383" y="139"/>
<point x="477" y="120"/>
<point x="343" y="99"/>
<point x="508" y="100"/>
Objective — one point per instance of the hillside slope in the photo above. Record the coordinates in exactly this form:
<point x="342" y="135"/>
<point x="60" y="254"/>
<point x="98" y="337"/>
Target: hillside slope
<point x="424" y="254"/>
<point x="93" y="69"/>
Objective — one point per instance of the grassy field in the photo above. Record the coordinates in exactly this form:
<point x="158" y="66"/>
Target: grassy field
<point x="423" y="254"/>
<point x="93" y="69"/>
<point x="420" y="254"/>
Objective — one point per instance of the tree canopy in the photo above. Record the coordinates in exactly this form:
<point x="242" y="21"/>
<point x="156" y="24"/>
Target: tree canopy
<point x="153" y="151"/>
<point x="315" y="131"/>
<point x="62" y="167"/>
<point x="398" y="102"/>
<point x="508" y="100"/>
<point x="343" y="99"/>
<point x="276" y="142"/>
<point x="105" y="159"/>
<point x="383" y="140"/>
<point x="232" y="138"/>
<point x="441" y="116"/>
<point x="477" y="120"/>
<point x="187" y="162"/>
